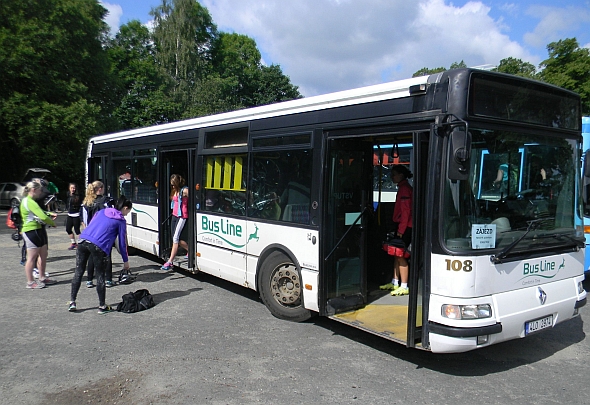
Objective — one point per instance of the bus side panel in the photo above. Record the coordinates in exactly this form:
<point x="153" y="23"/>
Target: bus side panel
<point x="142" y="228"/>
<point x="302" y="243"/>
<point x="470" y="276"/>
<point x="221" y="246"/>
<point x="219" y="262"/>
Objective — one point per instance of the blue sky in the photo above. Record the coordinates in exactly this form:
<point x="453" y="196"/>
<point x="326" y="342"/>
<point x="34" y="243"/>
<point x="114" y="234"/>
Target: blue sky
<point x="332" y="45"/>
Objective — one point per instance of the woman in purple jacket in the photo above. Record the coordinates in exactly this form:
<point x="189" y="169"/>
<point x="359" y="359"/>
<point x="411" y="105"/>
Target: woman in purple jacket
<point x="95" y="243"/>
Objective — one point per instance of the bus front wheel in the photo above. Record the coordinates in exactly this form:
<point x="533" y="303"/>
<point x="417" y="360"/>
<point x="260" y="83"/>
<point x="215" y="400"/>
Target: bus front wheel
<point x="281" y="288"/>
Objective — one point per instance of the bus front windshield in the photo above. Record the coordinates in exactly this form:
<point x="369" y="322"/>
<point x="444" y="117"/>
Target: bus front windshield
<point x="521" y="188"/>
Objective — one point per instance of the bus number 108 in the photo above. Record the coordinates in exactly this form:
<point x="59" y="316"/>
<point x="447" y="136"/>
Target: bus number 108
<point x="458" y="265"/>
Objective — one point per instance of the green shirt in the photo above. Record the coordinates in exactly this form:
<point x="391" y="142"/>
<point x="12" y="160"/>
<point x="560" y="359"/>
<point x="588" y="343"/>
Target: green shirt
<point x="29" y="209"/>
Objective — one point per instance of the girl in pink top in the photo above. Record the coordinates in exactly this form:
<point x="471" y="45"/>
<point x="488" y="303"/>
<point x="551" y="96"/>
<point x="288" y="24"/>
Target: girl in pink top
<point x="179" y="206"/>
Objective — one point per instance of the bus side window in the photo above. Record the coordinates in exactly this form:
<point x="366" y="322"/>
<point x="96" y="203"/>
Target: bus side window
<point x="280" y="186"/>
<point x="225" y="184"/>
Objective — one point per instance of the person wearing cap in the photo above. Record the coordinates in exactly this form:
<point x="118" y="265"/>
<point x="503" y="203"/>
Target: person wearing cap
<point x="402" y="219"/>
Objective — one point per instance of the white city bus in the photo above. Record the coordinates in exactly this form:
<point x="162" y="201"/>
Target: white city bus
<point x="294" y="200"/>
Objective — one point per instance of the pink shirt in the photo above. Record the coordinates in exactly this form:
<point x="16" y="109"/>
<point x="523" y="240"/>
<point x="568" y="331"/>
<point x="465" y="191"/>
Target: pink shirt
<point x="183" y="211"/>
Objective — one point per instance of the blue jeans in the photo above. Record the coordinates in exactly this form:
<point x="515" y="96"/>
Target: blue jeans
<point x="89" y="251"/>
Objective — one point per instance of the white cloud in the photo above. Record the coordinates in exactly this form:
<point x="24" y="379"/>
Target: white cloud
<point x="113" y="18"/>
<point x="331" y="45"/>
<point x="556" y="24"/>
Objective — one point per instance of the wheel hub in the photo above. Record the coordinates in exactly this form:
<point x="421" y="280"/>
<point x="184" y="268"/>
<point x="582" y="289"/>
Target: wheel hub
<point x="286" y="286"/>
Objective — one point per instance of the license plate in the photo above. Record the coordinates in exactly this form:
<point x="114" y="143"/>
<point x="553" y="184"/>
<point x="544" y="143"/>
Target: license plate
<point x="538" y="324"/>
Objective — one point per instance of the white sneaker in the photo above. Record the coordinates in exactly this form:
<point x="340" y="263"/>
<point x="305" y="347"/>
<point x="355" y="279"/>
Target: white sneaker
<point x="36" y="273"/>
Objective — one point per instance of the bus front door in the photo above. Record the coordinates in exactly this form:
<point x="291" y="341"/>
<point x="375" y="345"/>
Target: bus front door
<point x="177" y="161"/>
<point x="346" y="213"/>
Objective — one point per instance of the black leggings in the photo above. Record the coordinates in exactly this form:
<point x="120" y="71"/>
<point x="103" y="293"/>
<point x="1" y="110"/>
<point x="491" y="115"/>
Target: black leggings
<point x="87" y="253"/>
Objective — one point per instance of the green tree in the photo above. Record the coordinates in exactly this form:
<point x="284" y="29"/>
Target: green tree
<point x="144" y="88"/>
<point x="274" y="86"/>
<point x="213" y="72"/>
<point x="56" y="89"/>
<point x="427" y="71"/>
<point x="568" y="66"/>
<point x="183" y="34"/>
<point x="517" y="67"/>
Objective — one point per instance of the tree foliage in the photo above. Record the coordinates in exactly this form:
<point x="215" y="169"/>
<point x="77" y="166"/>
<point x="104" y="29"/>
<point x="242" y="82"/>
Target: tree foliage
<point x="517" y="67"/>
<point x="55" y="86"/>
<point x="568" y="66"/>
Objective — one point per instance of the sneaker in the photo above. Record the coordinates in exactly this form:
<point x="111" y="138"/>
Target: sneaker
<point x="167" y="266"/>
<point x="73" y="246"/>
<point x="389" y="286"/>
<point x="72" y="307"/>
<point x="89" y="284"/>
<point x="109" y="284"/>
<point x="401" y="291"/>
<point x="48" y="281"/>
<point x="22" y="262"/>
<point x="104" y="310"/>
<point x="36" y="273"/>
<point x="35" y="285"/>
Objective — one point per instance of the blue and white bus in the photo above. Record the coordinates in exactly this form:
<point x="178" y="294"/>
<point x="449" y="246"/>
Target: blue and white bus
<point x="293" y="200"/>
<point x="586" y="192"/>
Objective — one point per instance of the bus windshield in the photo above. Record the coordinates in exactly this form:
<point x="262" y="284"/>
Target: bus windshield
<point x="518" y="183"/>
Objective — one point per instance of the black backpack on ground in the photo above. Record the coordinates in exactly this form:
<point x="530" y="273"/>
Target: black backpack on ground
<point x="136" y="301"/>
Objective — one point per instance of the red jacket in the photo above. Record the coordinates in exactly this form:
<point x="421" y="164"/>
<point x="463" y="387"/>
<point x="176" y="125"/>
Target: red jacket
<point x="402" y="212"/>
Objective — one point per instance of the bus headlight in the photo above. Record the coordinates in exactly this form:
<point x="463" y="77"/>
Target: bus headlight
<point x="467" y="311"/>
<point x="580" y="287"/>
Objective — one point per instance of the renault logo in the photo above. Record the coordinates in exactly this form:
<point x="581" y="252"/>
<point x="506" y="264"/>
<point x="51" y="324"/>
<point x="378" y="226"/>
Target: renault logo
<point x="542" y="296"/>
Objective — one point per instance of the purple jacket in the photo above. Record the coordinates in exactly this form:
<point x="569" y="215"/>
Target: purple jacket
<point x="105" y="226"/>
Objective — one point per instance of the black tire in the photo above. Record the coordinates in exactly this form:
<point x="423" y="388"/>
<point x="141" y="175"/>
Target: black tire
<point x="14" y="202"/>
<point x="281" y="289"/>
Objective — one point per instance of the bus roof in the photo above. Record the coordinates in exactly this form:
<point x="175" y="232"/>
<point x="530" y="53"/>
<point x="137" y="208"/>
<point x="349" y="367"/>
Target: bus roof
<point x="379" y="92"/>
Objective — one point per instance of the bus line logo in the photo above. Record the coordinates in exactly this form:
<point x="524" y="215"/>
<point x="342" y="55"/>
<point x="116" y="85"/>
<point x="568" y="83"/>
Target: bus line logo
<point x="222" y="230"/>
<point x="542" y="268"/>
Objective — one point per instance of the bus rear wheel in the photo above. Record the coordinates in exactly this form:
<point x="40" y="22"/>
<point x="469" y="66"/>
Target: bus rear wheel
<point x="281" y="288"/>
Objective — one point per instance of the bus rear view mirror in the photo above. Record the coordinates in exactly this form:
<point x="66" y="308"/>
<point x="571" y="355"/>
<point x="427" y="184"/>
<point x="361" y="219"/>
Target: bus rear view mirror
<point x="460" y="152"/>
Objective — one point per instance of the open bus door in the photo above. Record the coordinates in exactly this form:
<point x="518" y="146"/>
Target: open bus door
<point x="346" y="210"/>
<point x="177" y="161"/>
<point x="351" y="290"/>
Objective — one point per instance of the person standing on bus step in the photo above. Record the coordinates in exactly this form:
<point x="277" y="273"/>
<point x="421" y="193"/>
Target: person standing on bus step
<point x="35" y="235"/>
<point x="402" y="219"/>
<point x="73" y="204"/>
<point x="179" y="207"/>
<point x="95" y="244"/>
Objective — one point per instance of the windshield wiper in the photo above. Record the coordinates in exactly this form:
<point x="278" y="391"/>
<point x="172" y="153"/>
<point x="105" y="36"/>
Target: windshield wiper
<point x="534" y="224"/>
<point x="578" y="242"/>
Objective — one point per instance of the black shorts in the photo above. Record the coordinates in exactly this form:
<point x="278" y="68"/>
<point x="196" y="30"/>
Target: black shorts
<point x="35" y="239"/>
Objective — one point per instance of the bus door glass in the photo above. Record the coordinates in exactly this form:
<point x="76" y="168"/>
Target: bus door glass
<point x="346" y="212"/>
<point x="173" y="162"/>
<point x="96" y="167"/>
